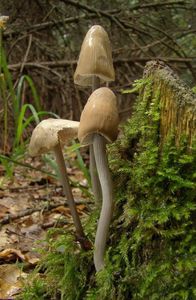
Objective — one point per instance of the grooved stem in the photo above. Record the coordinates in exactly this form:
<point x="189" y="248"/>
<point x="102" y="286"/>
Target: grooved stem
<point x="99" y="144"/>
<point x="96" y="187"/>
<point x="67" y="190"/>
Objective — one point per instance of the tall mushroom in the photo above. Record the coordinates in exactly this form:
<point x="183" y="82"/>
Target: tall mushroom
<point x="98" y="126"/>
<point x="49" y="135"/>
<point x="95" y="65"/>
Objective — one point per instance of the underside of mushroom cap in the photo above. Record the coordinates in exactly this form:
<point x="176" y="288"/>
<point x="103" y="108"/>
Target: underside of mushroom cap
<point x="48" y="133"/>
<point x="95" y="58"/>
<point x="100" y="115"/>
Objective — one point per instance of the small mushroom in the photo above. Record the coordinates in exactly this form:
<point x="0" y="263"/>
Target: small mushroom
<point x="49" y="135"/>
<point x="95" y="65"/>
<point x="95" y="58"/>
<point x="98" y="126"/>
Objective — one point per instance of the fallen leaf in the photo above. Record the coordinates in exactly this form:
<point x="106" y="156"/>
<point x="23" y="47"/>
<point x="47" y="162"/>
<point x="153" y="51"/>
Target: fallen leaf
<point x="10" y="280"/>
<point x="81" y="207"/>
<point x="11" y="255"/>
<point x="3" y="210"/>
<point x="62" y="209"/>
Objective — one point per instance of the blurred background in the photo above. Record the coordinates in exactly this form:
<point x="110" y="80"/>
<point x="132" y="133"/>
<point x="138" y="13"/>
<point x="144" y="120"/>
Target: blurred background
<point x="42" y="41"/>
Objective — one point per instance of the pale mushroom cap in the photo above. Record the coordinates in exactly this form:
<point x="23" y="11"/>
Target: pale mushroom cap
<point x="48" y="133"/>
<point x="95" y="58"/>
<point x="100" y="115"/>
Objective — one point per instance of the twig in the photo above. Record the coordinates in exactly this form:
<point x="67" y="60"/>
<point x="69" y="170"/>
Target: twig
<point x="67" y="63"/>
<point x="8" y="218"/>
<point x="103" y="13"/>
<point x="42" y="26"/>
<point x="157" y="5"/>
<point x="26" y="54"/>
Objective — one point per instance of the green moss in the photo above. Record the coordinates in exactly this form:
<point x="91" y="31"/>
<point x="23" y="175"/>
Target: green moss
<point x="155" y="215"/>
<point x="150" y="250"/>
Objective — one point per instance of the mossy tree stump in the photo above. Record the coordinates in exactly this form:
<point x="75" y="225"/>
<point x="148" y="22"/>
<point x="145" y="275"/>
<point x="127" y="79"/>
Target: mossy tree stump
<point x="153" y="165"/>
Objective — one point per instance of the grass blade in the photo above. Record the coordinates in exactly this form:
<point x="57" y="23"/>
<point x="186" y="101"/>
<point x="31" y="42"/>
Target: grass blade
<point x="35" y="95"/>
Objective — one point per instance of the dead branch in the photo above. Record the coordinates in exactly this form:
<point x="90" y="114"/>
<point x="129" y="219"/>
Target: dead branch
<point x="9" y="218"/>
<point x="157" y="5"/>
<point x="42" y="26"/>
<point x="65" y="63"/>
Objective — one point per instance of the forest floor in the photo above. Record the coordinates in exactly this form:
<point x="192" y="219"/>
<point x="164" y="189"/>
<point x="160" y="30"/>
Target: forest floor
<point x="30" y="203"/>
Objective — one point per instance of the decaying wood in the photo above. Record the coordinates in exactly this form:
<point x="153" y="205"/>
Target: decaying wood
<point x="177" y="103"/>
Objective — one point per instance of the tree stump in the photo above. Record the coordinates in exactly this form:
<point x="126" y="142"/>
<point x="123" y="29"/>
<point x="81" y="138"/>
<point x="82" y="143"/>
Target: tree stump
<point x="177" y="103"/>
<point x="153" y="163"/>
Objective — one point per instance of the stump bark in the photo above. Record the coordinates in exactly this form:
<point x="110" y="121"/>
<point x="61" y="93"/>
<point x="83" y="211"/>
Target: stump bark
<point x="177" y="103"/>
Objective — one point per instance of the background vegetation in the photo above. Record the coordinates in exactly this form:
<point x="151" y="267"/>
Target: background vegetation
<point x="43" y="39"/>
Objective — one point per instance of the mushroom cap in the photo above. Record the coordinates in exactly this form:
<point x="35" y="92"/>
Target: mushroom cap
<point x="95" y="58"/>
<point x="100" y="115"/>
<point x="48" y="133"/>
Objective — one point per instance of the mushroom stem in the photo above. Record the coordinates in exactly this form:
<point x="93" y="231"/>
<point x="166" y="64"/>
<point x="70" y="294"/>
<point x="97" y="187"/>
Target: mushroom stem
<point x="95" y="83"/>
<point x="96" y="188"/>
<point x="99" y="144"/>
<point x="67" y="190"/>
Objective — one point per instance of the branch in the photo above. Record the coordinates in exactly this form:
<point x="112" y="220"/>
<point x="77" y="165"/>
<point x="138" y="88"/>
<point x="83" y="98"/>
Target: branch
<point x="157" y="5"/>
<point x="8" y="218"/>
<point x="109" y="15"/>
<point x="43" y="26"/>
<point x="67" y="63"/>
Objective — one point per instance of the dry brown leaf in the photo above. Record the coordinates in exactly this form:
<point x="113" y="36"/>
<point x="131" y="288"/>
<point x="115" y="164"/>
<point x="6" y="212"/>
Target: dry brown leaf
<point x="81" y="207"/>
<point x="12" y="255"/>
<point x="62" y="210"/>
<point x="6" y="238"/>
<point x="32" y="259"/>
<point x="10" y="280"/>
<point x="3" y="210"/>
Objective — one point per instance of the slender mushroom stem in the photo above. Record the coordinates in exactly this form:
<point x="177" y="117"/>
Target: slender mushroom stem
<point x="67" y="190"/>
<point x="99" y="144"/>
<point x="95" y="83"/>
<point x="96" y="188"/>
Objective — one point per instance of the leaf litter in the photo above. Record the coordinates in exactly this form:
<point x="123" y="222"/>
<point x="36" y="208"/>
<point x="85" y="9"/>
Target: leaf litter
<point x="30" y="203"/>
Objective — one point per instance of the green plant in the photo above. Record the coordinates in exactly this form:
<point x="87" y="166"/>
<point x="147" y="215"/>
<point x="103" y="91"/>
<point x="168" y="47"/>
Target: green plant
<point x="35" y="291"/>
<point x="66" y="268"/>
<point x="9" y="91"/>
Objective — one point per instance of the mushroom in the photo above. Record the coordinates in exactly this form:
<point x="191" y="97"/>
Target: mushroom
<point x="95" y="58"/>
<point x="49" y="135"/>
<point x="98" y="126"/>
<point x="95" y="65"/>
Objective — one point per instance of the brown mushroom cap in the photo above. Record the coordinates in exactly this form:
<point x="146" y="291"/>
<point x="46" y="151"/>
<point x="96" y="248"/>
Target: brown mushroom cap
<point x="48" y="133"/>
<point x="95" y="58"/>
<point x="100" y="115"/>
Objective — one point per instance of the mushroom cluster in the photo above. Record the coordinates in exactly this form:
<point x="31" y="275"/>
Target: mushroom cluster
<point x="94" y="66"/>
<point x="98" y="126"/>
